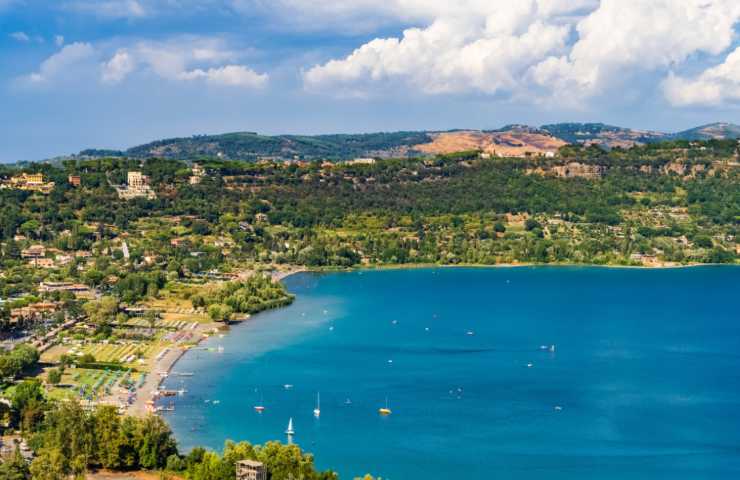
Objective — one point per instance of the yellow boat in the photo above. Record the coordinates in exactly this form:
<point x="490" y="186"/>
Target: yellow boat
<point x="385" y="410"/>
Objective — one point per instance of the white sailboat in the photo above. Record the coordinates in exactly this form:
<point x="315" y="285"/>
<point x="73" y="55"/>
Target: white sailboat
<point x="385" y="410"/>
<point x="260" y="407"/>
<point x="289" y="431"/>
<point x="317" y="410"/>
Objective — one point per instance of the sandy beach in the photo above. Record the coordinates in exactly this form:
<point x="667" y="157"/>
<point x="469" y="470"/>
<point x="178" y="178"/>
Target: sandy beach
<point x="164" y="365"/>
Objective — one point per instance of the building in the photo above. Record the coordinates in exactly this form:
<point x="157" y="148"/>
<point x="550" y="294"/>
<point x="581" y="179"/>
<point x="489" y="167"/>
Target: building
<point x="197" y="174"/>
<point x="136" y="180"/>
<point x="137" y="186"/>
<point x="250" y="470"/>
<point x="42" y="262"/>
<point x="34" y="311"/>
<point x="79" y="290"/>
<point x="362" y="161"/>
<point x="74" y="180"/>
<point x="29" y="181"/>
<point x="34" y="251"/>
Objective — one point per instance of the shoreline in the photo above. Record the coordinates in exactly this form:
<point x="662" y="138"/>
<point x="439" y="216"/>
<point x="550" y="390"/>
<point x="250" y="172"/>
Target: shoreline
<point x="414" y="266"/>
<point x="168" y="362"/>
<point x="154" y="380"/>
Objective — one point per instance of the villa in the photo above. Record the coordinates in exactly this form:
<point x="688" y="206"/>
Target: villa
<point x="30" y="182"/>
<point x="137" y="187"/>
<point x="197" y="174"/>
<point x="34" y="251"/>
<point x="250" y="470"/>
<point x="34" y="311"/>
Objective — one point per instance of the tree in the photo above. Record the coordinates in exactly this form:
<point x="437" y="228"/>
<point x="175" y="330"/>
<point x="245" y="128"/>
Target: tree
<point x="15" y="467"/>
<point x="102" y="312"/>
<point x="220" y="312"/>
<point x="530" y="224"/>
<point x="155" y="443"/>
<point x="54" y="376"/>
<point x="25" y="393"/>
<point x="49" y="464"/>
<point x="107" y="424"/>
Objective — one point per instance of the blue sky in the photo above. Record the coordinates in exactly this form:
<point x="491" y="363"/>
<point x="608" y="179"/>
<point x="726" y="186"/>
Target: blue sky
<point x="76" y="74"/>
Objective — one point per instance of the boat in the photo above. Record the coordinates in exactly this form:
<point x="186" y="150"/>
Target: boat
<point x="287" y="386"/>
<point x="348" y="402"/>
<point x="259" y="408"/>
<point x="317" y="410"/>
<point x="552" y="348"/>
<point x="470" y="333"/>
<point x="289" y="430"/>
<point x="385" y="410"/>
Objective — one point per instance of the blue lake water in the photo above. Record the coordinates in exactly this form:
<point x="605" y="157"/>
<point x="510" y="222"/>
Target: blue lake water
<point x="645" y="372"/>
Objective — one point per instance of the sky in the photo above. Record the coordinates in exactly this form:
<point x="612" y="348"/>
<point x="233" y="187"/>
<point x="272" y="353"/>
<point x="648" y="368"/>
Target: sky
<point x="78" y="74"/>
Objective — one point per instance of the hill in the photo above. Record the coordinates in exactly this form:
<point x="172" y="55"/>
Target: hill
<point x="253" y="146"/>
<point x="712" y="131"/>
<point x="510" y="140"/>
<point x="602" y="134"/>
<point x="515" y="141"/>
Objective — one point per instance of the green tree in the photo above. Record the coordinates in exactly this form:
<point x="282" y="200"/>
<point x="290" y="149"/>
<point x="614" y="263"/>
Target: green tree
<point x="15" y="468"/>
<point x="54" y="376"/>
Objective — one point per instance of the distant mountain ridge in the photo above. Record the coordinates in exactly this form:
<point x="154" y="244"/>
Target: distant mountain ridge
<point x="511" y="140"/>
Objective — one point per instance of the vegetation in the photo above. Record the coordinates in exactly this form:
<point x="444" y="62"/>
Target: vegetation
<point x="122" y="281"/>
<point x="15" y="361"/>
<point x="253" y="295"/>
<point x="252" y="146"/>
<point x="68" y="441"/>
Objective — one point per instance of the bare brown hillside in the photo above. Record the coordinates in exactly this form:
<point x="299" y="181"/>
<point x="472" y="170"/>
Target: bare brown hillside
<point x="511" y="143"/>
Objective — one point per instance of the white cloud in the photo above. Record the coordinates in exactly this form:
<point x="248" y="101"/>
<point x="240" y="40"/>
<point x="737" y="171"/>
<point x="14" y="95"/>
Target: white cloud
<point x="63" y="63"/>
<point x="179" y="59"/>
<point x="479" y="46"/>
<point x="112" y="9"/>
<point x="229" y="75"/>
<point x="713" y="87"/>
<point x="58" y="40"/>
<point x="534" y="49"/>
<point x="626" y="36"/>
<point x="20" y="36"/>
<point x="361" y="15"/>
<point x="118" y="67"/>
<point x="189" y="59"/>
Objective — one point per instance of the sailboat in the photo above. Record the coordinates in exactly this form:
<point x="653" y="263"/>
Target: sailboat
<point x="317" y="410"/>
<point x="289" y="431"/>
<point x="385" y="410"/>
<point x="259" y="408"/>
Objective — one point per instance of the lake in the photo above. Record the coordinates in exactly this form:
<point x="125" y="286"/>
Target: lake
<point x="643" y="380"/>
